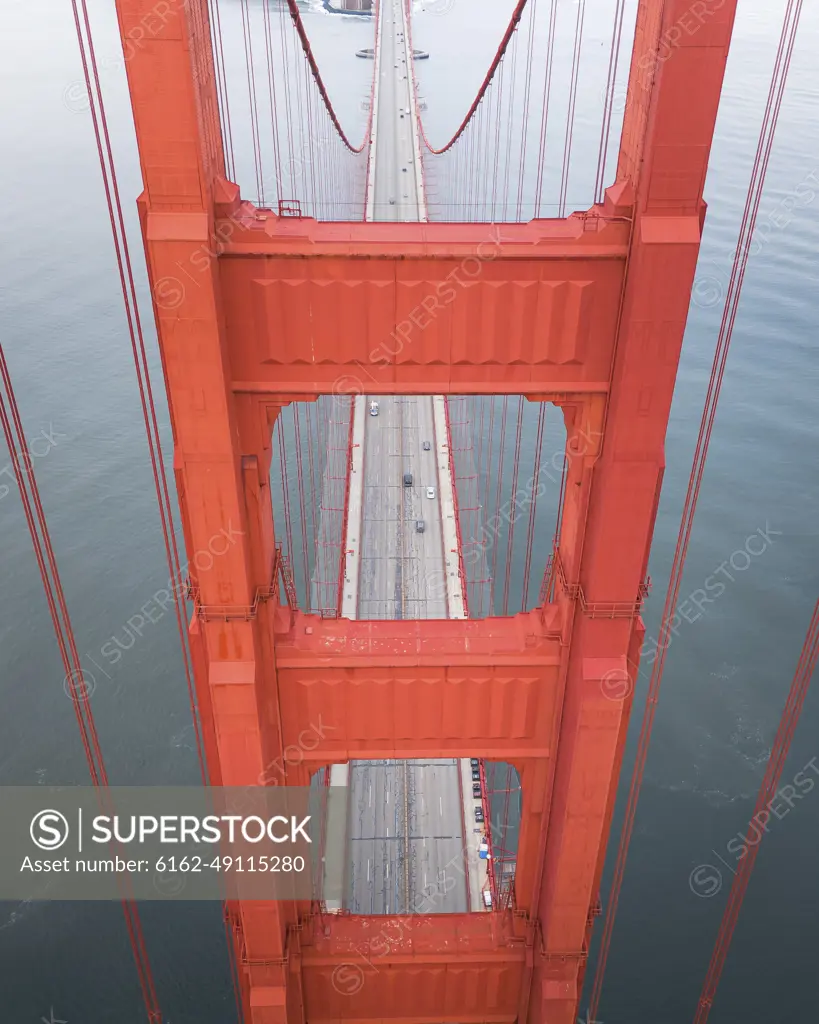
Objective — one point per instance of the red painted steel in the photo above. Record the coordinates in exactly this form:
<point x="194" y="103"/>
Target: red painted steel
<point x="587" y="312"/>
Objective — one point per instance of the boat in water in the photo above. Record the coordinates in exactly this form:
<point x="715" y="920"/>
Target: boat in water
<point x="368" y="53"/>
<point x="363" y="8"/>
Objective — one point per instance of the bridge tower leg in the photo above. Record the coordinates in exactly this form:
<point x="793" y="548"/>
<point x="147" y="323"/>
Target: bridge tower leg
<point x="676" y="77"/>
<point x="221" y="447"/>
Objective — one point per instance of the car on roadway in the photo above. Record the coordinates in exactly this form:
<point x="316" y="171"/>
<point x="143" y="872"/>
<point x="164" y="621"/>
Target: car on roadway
<point x="373" y="408"/>
<point x="426" y="446"/>
<point x="476" y="775"/>
<point x="476" y="790"/>
<point x="430" y="492"/>
<point x="474" y="762"/>
<point x="408" y="479"/>
<point x="479" y="814"/>
<point x="419" y="526"/>
<point x="487" y="899"/>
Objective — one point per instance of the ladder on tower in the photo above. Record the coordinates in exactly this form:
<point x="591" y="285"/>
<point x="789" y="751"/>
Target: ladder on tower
<point x="288" y="582"/>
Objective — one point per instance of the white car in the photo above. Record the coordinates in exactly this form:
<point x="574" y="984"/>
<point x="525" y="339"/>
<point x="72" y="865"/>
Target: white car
<point x="373" y="408"/>
<point x="430" y="492"/>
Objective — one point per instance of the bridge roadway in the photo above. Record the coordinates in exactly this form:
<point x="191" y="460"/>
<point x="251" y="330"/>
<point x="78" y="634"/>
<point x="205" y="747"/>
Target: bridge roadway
<point x="405" y="826"/>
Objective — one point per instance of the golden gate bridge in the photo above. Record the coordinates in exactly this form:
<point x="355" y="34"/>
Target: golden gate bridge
<point x="439" y="416"/>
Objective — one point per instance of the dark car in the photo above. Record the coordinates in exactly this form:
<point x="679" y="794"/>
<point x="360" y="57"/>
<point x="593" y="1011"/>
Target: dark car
<point x="474" y="762"/>
<point x="426" y="446"/>
<point x="419" y="526"/>
<point x="408" y="479"/>
<point x="476" y="790"/>
<point x="476" y="775"/>
<point x="479" y="814"/>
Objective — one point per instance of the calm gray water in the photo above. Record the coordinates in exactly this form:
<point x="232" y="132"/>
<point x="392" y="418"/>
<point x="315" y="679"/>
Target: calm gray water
<point x="62" y="325"/>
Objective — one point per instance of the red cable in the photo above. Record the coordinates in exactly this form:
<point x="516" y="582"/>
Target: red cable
<point x="608" y="104"/>
<point x="494" y="156"/>
<point x="559" y="522"/>
<point x="501" y="453"/>
<point x="143" y="375"/>
<point x="544" y="117"/>
<point x="311" y="465"/>
<point x="251" y="94"/>
<point x="753" y="199"/>
<point x="308" y="53"/>
<point x="472" y="164"/>
<point x="507" y="35"/>
<point x="285" y="490"/>
<point x="64" y="633"/>
<point x="526" y="97"/>
<point x="510" y="536"/>
<point x="510" y="126"/>
<point x="487" y="486"/>
<point x="767" y="793"/>
<point x="298" y="87"/>
<point x="287" y="107"/>
<point x="302" y="507"/>
<point x="488" y="153"/>
<point x="227" y="130"/>
<point x="107" y="167"/>
<point x="479" y="467"/>
<point x="271" y="90"/>
<point x="310" y="132"/>
<point x="567" y="148"/>
<point x="530" y="532"/>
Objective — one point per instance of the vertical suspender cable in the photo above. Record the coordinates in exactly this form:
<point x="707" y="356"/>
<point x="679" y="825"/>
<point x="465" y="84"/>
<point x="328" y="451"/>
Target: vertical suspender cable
<point x="251" y="96"/>
<point x="108" y="171"/>
<point x="302" y="507"/>
<point x="525" y="117"/>
<point x="567" y="147"/>
<point x="510" y="124"/>
<point x="608" y="103"/>
<point x="767" y="793"/>
<point x="535" y="483"/>
<point x="271" y="91"/>
<point x="221" y="86"/>
<point x="753" y="199"/>
<point x="498" y="489"/>
<point x="544" y="117"/>
<point x="510" y="536"/>
<point x="64" y="633"/>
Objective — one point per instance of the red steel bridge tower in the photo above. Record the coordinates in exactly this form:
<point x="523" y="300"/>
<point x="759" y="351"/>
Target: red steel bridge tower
<point x="598" y="303"/>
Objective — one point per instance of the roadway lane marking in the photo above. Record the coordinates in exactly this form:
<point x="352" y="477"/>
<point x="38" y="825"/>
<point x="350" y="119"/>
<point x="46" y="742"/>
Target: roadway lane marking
<point x="368" y="869"/>
<point x="371" y="794"/>
<point x="441" y="806"/>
